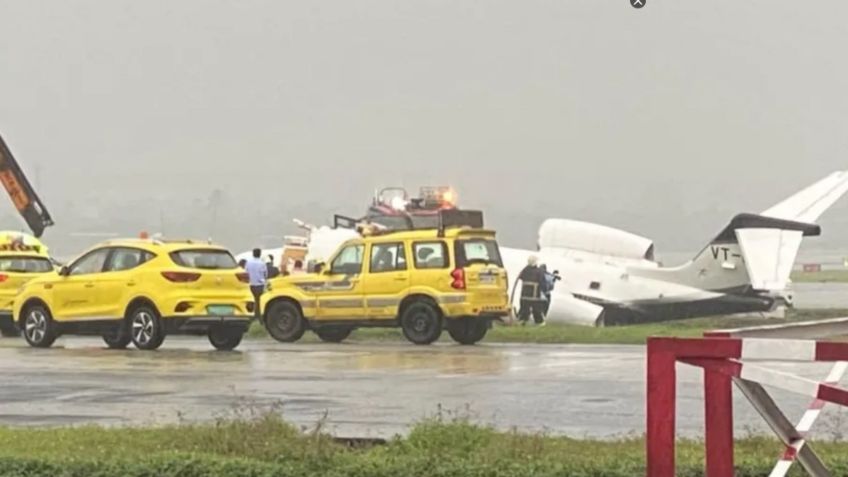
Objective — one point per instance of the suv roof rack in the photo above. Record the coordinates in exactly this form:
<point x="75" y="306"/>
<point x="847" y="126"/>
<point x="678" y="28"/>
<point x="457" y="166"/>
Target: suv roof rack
<point x="448" y="218"/>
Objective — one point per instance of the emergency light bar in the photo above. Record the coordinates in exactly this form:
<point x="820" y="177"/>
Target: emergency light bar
<point x="19" y="247"/>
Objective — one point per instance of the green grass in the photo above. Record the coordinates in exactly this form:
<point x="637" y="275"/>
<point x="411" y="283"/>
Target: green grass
<point x="824" y="276"/>
<point x="564" y="334"/>
<point x="268" y="446"/>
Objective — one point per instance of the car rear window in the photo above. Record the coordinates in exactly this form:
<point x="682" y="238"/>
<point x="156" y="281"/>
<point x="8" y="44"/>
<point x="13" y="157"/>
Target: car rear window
<point x="25" y="264"/>
<point x="204" y="258"/>
<point x="483" y="251"/>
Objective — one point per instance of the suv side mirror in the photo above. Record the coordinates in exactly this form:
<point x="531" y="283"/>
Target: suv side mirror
<point x="320" y="267"/>
<point x="64" y="271"/>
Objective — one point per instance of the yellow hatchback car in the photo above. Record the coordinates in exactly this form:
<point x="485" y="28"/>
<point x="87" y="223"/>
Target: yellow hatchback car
<point x="139" y="291"/>
<point x="419" y="280"/>
<point x="22" y="258"/>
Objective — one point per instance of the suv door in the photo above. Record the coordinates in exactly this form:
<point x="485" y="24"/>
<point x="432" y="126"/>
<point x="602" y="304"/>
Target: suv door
<point x="118" y="280"/>
<point x="387" y="280"/>
<point x="340" y="295"/>
<point x="75" y="295"/>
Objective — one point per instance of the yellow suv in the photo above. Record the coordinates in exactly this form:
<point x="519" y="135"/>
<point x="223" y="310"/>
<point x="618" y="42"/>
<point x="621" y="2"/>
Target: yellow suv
<point x="419" y="280"/>
<point x="139" y="291"/>
<point x="22" y="258"/>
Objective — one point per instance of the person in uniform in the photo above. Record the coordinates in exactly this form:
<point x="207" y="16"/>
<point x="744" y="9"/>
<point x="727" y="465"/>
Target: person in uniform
<point x="532" y="285"/>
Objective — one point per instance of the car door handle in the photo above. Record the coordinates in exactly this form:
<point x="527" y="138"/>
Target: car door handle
<point x="89" y="285"/>
<point x="130" y="283"/>
<point x="401" y="279"/>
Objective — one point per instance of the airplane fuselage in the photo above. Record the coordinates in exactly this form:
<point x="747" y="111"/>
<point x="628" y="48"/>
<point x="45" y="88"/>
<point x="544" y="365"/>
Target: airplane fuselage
<point x="600" y="290"/>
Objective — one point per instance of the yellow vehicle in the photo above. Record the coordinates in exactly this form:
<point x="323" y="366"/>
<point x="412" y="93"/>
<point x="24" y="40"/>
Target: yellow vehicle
<point x="419" y="280"/>
<point x="22" y="258"/>
<point x="139" y="291"/>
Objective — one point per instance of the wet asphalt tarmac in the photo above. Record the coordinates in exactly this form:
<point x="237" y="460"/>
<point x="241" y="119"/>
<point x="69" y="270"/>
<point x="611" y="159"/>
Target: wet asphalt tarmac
<point x="364" y="389"/>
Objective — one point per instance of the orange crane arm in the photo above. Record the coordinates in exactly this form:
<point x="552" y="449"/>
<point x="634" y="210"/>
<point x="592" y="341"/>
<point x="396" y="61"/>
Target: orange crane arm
<point x="21" y="192"/>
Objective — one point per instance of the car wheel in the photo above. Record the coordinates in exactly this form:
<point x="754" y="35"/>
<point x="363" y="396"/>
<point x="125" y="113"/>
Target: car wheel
<point x="224" y="338"/>
<point x="146" y="328"/>
<point x="421" y="323"/>
<point x="39" y="327"/>
<point x="333" y="334"/>
<point x="284" y="322"/>
<point x="118" y="338"/>
<point x="467" y="330"/>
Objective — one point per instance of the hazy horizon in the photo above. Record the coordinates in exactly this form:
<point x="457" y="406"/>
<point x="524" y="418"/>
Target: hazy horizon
<point x="230" y="119"/>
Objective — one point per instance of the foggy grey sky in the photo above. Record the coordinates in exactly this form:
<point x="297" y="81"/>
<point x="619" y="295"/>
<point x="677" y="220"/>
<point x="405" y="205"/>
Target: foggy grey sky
<point x="664" y="121"/>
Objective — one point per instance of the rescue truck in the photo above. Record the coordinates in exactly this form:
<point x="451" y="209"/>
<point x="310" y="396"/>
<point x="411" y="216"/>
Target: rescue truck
<point x="414" y="276"/>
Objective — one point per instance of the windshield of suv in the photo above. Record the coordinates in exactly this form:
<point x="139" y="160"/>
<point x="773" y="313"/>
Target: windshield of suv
<point x="473" y="251"/>
<point x="208" y="259"/>
<point x="19" y="264"/>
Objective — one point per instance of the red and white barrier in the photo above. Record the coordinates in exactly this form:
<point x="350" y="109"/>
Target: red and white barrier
<point x="806" y="423"/>
<point x="725" y="358"/>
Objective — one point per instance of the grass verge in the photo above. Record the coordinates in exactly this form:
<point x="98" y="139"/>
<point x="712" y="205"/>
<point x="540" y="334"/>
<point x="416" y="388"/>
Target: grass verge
<point x="565" y="334"/>
<point x="824" y="276"/>
<point x="268" y="446"/>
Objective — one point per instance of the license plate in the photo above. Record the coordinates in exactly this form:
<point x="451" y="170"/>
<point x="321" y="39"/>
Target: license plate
<point x="221" y="310"/>
<point x="487" y="279"/>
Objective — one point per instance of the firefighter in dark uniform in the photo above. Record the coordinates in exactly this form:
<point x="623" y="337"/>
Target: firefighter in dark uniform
<point x="532" y="285"/>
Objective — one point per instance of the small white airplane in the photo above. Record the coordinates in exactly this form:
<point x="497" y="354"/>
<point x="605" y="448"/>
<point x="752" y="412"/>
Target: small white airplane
<point x="610" y="277"/>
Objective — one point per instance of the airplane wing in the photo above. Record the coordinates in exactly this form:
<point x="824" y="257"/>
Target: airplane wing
<point x="808" y="204"/>
<point x="22" y="193"/>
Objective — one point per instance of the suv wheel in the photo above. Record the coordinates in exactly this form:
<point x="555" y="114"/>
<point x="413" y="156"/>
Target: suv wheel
<point x="146" y="328"/>
<point x="421" y="323"/>
<point x="333" y="334"/>
<point x="467" y="330"/>
<point x="119" y="337"/>
<point x="224" y="338"/>
<point x="284" y="322"/>
<point x="39" y="328"/>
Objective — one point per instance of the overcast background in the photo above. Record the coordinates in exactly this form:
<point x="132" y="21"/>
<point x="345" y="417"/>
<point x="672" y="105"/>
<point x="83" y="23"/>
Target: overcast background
<point x="229" y="118"/>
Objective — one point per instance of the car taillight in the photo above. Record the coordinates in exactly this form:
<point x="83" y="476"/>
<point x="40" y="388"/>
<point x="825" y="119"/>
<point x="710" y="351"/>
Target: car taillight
<point x="458" y="276"/>
<point x="3" y="277"/>
<point x="181" y="277"/>
<point x="243" y="277"/>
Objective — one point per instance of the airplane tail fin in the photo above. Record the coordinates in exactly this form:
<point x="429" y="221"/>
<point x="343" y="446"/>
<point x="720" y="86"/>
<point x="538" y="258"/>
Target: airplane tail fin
<point x="757" y="251"/>
<point x="767" y="246"/>
<point x="770" y="252"/>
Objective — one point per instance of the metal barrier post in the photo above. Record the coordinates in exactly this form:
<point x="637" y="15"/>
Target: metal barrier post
<point x="718" y="423"/>
<point x="661" y="409"/>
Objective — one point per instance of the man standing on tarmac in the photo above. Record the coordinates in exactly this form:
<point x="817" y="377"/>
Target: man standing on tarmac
<point x="257" y="274"/>
<point x="532" y="284"/>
